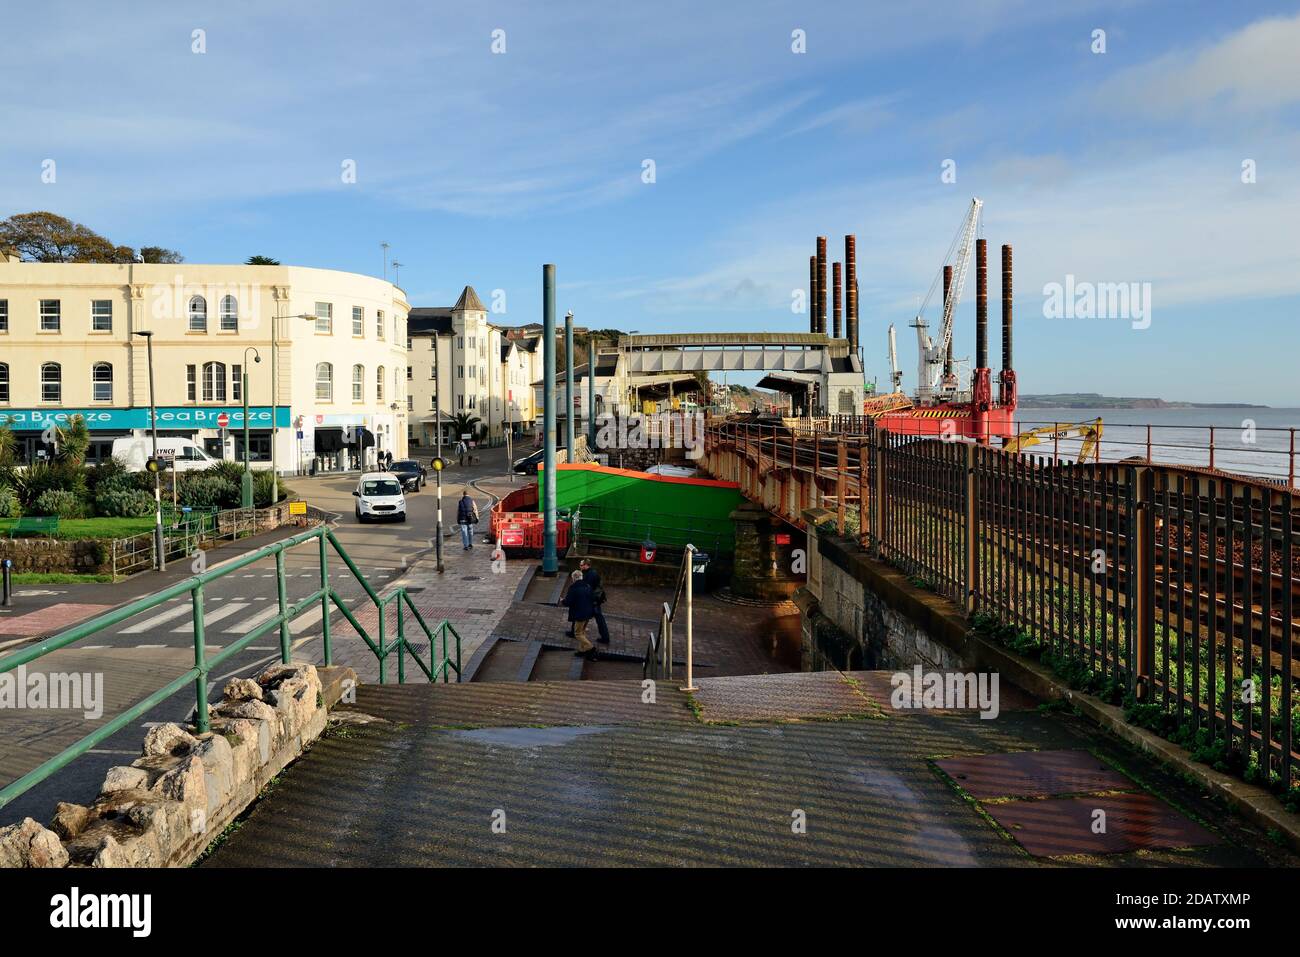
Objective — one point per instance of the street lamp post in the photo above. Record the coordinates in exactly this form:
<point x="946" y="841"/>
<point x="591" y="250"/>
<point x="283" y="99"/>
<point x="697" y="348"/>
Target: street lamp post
<point x="160" y="561"/>
<point x="246" y="496"/>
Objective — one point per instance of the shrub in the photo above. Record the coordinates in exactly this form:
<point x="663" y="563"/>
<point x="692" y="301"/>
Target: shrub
<point x="206" y="490"/>
<point x="262" y="489"/>
<point x="8" y="502"/>
<point x="111" y="470"/>
<point x="61" y="503"/>
<point x="230" y="471"/>
<point x="34" y="481"/>
<point x="123" y="500"/>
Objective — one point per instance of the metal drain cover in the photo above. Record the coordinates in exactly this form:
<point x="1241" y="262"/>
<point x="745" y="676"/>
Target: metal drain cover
<point x="1033" y="774"/>
<point x="1061" y="826"/>
<point x="471" y="578"/>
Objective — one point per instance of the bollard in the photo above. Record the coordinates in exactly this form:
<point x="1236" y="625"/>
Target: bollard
<point x="8" y="566"/>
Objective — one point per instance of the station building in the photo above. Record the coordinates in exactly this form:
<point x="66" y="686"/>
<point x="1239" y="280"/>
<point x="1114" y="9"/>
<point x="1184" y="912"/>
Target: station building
<point x="335" y="344"/>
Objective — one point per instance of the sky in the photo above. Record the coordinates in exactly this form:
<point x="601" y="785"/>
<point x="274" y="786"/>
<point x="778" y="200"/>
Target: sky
<point x="488" y="139"/>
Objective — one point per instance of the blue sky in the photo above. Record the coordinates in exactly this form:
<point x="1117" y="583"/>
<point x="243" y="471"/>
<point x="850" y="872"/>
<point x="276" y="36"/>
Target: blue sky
<point x="478" y="167"/>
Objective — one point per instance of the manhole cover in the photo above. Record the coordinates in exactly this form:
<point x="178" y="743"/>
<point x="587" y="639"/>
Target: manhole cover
<point x="1033" y="774"/>
<point x="471" y="578"/>
<point x="1061" y="826"/>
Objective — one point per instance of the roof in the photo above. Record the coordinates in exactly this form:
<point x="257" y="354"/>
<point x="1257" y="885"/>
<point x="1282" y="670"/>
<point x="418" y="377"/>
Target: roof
<point x="469" y="302"/>
<point x="427" y="320"/>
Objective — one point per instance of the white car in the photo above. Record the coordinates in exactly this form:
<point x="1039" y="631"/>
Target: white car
<point x="379" y="495"/>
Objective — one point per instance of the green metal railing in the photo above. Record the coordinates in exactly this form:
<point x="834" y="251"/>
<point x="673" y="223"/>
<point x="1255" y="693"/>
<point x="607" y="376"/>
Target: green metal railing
<point x="383" y="645"/>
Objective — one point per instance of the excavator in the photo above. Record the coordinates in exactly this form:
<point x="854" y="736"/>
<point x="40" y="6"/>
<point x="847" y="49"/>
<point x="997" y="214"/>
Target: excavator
<point x="1090" y="432"/>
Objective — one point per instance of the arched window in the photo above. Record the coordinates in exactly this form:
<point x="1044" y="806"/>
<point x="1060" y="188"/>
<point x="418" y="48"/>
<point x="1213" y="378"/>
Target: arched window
<point x="198" y="314"/>
<point x="214" y="382"/>
<point x="101" y="382"/>
<point x="4" y="382"/>
<point x="358" y="383"/>
<point x="51" y="382"/>
<point x="324" y="382"/>
<point x="229" y="314"/>
<point x="379" y="384"/>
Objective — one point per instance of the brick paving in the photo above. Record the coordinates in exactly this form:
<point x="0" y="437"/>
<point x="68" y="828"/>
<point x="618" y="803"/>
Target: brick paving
<point x="470" y="594"/>
<point x="49" y="621"/>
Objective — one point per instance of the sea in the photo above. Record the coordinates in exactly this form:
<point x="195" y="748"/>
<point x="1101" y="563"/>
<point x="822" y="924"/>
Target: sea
<point x="1252" y="441"/>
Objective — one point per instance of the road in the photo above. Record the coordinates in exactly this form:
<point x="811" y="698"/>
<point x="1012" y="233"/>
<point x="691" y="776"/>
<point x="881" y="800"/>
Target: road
<point x="143" y="653"/>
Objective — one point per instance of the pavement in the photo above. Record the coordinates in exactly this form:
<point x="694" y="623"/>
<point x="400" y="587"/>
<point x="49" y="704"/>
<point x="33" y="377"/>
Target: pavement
<point x="140" y="655"/>
<point x="823" y="774"/>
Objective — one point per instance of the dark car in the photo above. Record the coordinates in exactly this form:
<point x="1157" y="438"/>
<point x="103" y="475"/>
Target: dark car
<point x="529" y="463"/>
<point x="411" y="474"/>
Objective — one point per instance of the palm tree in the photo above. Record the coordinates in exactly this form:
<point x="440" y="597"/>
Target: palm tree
<point x="261" y="261"/>
<point x="7" y="444"/>
<point x="74" y="441"/>
<point x="464" y="423"/>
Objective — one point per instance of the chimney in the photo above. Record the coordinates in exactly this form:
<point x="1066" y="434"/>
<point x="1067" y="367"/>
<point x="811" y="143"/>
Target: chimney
<point x="821" y="283"/>
<point x="947" y="287"/>
<point x="981" y="304"/>
<point x="812" y="293"/>
<point x="1006" y="309"/>
<point x="851" y="290"/>
<point x="836" y="298"/>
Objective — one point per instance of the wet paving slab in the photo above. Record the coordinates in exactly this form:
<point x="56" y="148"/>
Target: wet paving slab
<point x="587" y="773"/>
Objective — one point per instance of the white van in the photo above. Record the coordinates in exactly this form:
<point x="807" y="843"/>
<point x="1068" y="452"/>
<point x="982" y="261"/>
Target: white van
<point x="135" y="452"/>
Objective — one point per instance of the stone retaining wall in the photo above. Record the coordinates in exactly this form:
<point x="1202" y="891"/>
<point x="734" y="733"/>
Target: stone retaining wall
<point x="167" y="806"/>
<point x="58" y="556"/>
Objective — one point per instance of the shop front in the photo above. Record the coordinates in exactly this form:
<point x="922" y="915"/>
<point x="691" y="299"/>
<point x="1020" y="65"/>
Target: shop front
<point x="35" y="436"/>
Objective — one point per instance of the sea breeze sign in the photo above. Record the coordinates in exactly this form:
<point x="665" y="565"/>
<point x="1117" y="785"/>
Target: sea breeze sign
<point x="173" y="417"/>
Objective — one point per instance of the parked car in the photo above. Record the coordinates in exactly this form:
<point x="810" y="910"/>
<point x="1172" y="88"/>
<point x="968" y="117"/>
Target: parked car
<point x="379" y="495"/>
<point x="411" y="473"/>
<point x="187" y="456"/>
<point x="528" y="464"/>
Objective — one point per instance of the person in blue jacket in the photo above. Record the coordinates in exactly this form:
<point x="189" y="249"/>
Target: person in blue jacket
<point x="467" y="518"/>
<point x="582" y="608"/>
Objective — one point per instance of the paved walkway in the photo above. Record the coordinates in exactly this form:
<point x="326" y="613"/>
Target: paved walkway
<point x="593" y="773"/>
<point x="472" y="593"/>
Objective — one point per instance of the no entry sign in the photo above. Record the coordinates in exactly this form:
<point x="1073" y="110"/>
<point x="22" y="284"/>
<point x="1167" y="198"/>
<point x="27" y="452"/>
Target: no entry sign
<point x="223" y="420"/>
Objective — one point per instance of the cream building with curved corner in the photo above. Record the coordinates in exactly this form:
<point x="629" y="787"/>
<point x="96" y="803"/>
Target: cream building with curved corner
<point x="68" y="346"/>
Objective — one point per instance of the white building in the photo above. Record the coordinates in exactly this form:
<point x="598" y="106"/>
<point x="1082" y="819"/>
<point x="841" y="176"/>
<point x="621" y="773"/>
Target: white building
<point x="462" y="364"/>
<point x="334" y="343"/>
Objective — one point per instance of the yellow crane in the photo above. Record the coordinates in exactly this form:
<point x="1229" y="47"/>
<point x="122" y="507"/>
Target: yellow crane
<point x="1090" y="432"/>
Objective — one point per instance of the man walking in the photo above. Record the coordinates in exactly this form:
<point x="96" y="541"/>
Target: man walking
<point x="467" y="518"/>
<point x="592" y="578"/>
<point x="461" y="449"/>
<point x="581" y="609"/>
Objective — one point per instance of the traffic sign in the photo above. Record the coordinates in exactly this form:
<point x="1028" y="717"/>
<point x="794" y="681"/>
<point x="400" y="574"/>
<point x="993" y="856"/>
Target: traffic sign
<point x="223" y="420"/>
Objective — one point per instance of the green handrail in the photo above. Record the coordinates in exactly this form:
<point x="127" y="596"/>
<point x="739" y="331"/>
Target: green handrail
<point x="325" y="595"/>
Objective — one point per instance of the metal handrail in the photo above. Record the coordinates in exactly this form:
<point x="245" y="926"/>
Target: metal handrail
<point x="325" y="594"/>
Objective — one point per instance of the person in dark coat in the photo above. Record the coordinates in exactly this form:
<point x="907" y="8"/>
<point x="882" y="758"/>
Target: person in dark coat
<point x="592" y="578"/>
<point x="582" y="607"/>
<point x="466" y="518"/>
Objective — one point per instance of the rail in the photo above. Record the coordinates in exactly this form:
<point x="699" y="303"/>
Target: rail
<point x="1271" y="453"/>
<point x="383" y="645"/>
<point x="1177" y="586"/>
<point x="659" y="650"/>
